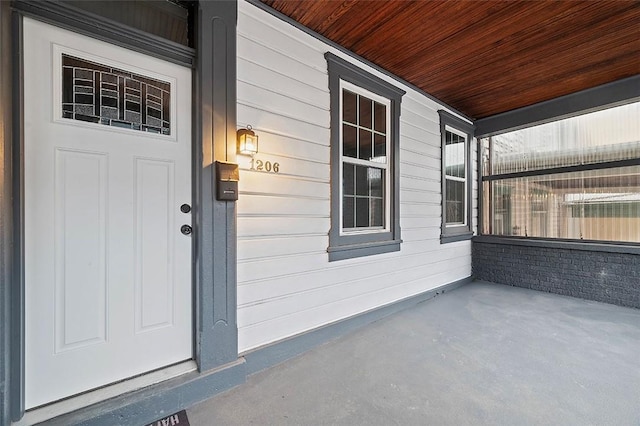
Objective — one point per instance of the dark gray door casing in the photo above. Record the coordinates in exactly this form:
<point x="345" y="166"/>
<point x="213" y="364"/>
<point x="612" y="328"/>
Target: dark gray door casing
<point x="215" y="129"/>
<point x="214" y="245"/>
<point x="6" y="207"/>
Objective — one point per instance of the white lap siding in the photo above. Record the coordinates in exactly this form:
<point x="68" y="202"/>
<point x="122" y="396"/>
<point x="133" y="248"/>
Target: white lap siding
<point x="286" y="284"/>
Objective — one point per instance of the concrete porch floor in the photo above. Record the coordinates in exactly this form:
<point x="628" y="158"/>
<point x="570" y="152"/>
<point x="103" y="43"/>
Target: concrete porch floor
<point x="481" y="354"/>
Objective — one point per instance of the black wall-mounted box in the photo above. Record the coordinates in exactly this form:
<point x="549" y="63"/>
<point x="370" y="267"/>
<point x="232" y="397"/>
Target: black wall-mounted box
<point x="227" y="176"/>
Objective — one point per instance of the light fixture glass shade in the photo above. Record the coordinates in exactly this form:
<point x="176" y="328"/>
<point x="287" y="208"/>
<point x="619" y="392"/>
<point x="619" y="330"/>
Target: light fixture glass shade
<point x="247" y="141"/>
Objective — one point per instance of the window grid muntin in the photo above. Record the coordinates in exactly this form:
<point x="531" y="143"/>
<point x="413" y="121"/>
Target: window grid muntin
<point x="359" y="127"/>
<point x="360" y="92"/>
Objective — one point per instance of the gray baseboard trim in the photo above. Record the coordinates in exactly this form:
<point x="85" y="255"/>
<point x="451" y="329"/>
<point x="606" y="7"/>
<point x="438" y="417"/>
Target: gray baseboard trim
<point x="154" y="402"/>
<point x="276" y="353"/>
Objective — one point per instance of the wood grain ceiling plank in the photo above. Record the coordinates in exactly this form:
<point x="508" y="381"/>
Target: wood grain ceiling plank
<point x="469" y="39"/>
<point x="406" y="24"/>
<point x="296" y="9"/>
<point x="485" y="57"/>
<point x="496" y="99"/>
<point x="493" y="100"/>
<point x="334" y="16"/>
<point x="349" y="29"/>
<point x="504" y="47"/>
<point x="604" y="50"/>
<point x="575" y="49"/>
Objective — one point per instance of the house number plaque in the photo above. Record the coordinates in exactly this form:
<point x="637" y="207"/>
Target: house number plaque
<point x="265" y="166"/>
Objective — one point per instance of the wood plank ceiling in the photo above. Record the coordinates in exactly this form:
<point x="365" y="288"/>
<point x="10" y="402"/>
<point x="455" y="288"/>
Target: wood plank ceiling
<point x="485" y="57"/>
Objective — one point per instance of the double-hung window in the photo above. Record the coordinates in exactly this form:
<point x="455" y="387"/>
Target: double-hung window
<point x="456" y="183"/>
<point x="365" y="115"/>
<point x="365" y="165"/>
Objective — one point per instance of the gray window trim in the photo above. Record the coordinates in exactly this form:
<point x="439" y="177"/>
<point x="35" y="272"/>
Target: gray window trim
<point x="350" y="246"/>
<point x="450" y="234"/>
<point x="608" y="95"/>
<point x="564" y="169"/>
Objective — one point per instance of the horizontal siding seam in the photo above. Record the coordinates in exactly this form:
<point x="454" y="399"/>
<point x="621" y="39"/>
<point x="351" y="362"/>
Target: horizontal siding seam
<point x="417" y="190"/>
<point x="439" y="249"/>
<point x="415" y="97"/>
<point x="421" y="153"/>
<point x="415" y="126"/>
<point x="422" y="241"/>
<point x="287" y="135"/>
<point x="421" y="191"/>
<point x="288" y="76"/>
<point x="284" y="95"/>
<point x="282" y="195"/>
<point x="321" y="289"/>
<point x="419" y="142"/>
<point x="420" y="203"/>
<point x="420" y="165"/>
<point x="418" y="228"/>
<point x="246" y="260"/>
<point x="424" y="179"/>
<point x="280" y="113"/>
<point x="406" y="106"/>
<point x="291" y="177"/>
<point x="278" y="28"/>
<point x="353" y="297"/>
<point x="283" y="237"/>
<point x="280" y="51"/>
<point x="282" y="215"/>
<point x="292" y="157"/>
<point x="413" y="154"/>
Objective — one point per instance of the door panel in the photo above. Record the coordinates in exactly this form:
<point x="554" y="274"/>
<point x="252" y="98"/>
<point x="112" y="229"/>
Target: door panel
<point x="107" y="166"/>
<point x="154" y="237"/>
<point x="81" y="248"/>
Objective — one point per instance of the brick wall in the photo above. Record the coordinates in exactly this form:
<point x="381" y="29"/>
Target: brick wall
<point x="608" y="277"/>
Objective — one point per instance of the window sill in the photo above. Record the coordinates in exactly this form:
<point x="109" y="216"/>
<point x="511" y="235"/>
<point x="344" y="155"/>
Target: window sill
<point x="600" y="246"/>
<point x="361" y="250"/>
<point x="450" y="238"/>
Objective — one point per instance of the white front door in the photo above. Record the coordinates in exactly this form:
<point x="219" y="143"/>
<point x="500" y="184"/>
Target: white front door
<point x="107" y="167"/>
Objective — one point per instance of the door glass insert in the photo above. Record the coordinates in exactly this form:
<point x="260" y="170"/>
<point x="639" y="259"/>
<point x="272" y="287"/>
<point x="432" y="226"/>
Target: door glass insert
<point x="102" y="94"/>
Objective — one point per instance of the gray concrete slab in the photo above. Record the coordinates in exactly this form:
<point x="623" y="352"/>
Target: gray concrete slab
<point x="482" y="354"/>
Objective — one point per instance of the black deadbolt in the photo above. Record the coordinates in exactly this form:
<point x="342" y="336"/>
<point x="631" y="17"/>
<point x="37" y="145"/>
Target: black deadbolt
<point x="185" y="229"/>
<point x="185" y="208"/>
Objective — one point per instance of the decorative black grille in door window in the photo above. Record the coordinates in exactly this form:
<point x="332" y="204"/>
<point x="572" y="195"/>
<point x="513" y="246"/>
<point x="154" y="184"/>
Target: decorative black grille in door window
<point x="101" y="94"/>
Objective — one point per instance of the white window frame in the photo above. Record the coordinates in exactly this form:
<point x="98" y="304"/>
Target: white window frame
<point x="455" y="178"/>
<point x="344" y="85"/>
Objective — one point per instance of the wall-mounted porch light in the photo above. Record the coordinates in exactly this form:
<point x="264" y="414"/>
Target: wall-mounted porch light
<point x="247" y="141"/>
